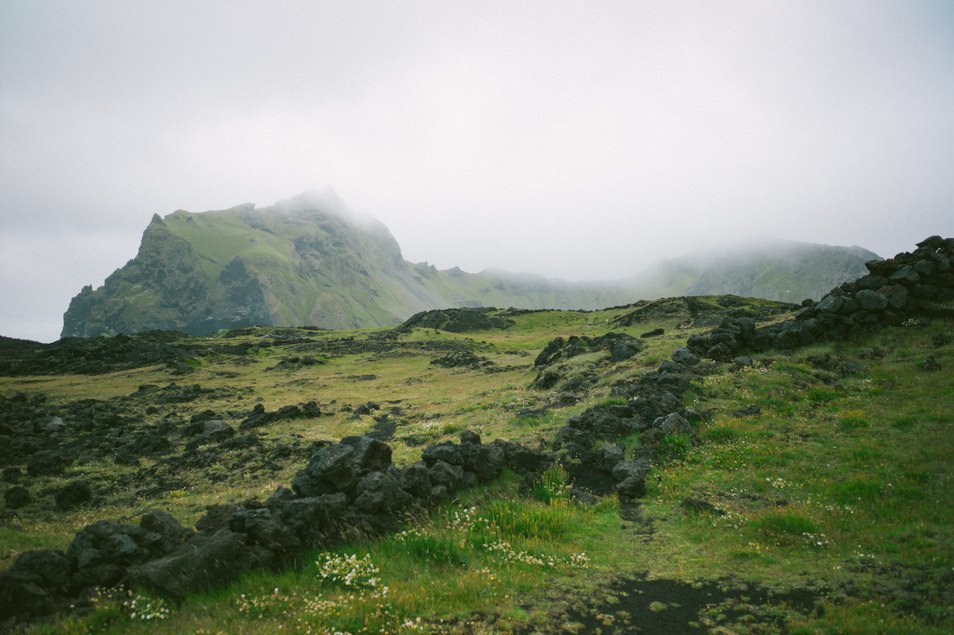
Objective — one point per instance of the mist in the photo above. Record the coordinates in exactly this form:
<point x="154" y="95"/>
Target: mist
<point x="582" y="141"/>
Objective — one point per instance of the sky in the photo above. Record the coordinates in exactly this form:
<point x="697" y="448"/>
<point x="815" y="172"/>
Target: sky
<point x="578" y="140"/>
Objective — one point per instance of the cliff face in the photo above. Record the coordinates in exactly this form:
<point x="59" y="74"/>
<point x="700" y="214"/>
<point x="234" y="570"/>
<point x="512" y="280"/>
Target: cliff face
<point x="310" y="261"/>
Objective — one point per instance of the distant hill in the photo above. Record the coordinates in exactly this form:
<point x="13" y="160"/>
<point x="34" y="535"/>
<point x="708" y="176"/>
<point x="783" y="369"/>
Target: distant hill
<point x="311" y="261"/>
<point x="775" y="270"/>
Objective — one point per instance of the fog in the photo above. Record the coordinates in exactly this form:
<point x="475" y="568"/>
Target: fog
<point x="579" y="140"/>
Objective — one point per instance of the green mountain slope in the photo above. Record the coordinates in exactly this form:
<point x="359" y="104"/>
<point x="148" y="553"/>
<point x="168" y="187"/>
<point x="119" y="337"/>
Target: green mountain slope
<point x="310" y="261"/>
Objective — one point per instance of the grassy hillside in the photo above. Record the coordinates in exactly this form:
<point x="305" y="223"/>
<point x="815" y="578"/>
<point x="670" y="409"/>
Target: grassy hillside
<point x="310" y="261"/>
<point x="812" y="495"/>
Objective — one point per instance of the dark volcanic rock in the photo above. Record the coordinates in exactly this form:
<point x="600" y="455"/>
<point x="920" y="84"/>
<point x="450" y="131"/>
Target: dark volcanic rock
<point x="48" y="463"/>
<point x="457" y="320"/>
<point x="203" y="562"/>
<point x="73" y="495"/>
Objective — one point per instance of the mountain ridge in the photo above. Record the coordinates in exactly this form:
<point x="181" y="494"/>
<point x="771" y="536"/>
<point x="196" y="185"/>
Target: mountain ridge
<point x="309" y="260"/>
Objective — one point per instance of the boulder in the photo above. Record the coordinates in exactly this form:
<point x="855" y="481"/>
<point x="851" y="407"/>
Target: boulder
<point x="630" y="478"/>
<point x="73" y="495"/>
<point x="312" y="518"/>
<point x="163" y="524"/>
<point x="380" y="492"/>
<point x="100" y="553"/>
<point x="23" y="597"/>
<point x="205" y="561"/>
<point x="50" y="567"/>
<point x="871" y="300"/>
<point x="673" y="423"/>
<point x="685" y="357"/>
<point x="48" y="463"/>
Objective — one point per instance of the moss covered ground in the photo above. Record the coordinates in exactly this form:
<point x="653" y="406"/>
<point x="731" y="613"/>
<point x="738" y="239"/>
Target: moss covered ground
<point x="816" y="498"/>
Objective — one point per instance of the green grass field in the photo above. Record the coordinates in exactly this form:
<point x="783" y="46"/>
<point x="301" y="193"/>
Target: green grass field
<point x="837" y="490"/>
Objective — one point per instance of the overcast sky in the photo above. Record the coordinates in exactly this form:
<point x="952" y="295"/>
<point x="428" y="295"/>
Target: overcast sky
<point x="580" y="140"/>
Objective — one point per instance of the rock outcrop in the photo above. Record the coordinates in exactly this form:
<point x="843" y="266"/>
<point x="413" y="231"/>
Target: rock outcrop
<point x="894" y="290"/>
<point x="347" y="488"/>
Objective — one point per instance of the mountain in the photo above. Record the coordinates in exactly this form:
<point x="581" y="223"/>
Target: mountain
<point x="309" y="260"/>
<point x="788" y="271"/>
<point x="306" y="260"/>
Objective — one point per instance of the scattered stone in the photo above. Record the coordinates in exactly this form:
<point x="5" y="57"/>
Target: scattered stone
<point x="685" y="357"/>
<point x="748" y="411"/>
<point x="17" y="497"/>
<point x="73" y="495"/>
<point x="462" y="359"/>
<point x="48" y="463"/>
<point x="673" y="423"/>
<point x="700" y="506"/>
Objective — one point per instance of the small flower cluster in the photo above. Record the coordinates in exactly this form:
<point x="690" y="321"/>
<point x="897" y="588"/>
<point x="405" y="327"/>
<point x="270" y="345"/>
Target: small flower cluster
<point x="580" y="560"/>
<point x="145" y="609"/>
<point x="274" y="603"/>
<point x="414" y="626"/>
<point x="816" y="540"/>
<point x="464" y="519"/>
<point x="407" y="534"/>
<point x="777" y="483"/>
<point x="506" y="551"/>
<point x="347" y="570"/>
<point x="729" y="518"/>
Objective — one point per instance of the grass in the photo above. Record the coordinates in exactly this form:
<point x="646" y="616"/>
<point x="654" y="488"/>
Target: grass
<point x="840" y="485"/>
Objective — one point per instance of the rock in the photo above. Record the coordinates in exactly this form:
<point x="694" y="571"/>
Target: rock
<point x="51" y="425"/>
<point x="748" y="411"/>
<point x="205" y="561"/>
<point x="905" y="275"/>
<point x="445" y="451"/>
<point x="522" y="459"/>
<point x="742" y="361"/>
<point x="630" y="478"/>
<point x="380" y="492"/>
<point x="73" y="495"/>
<point x="700" y="506"/>
<point x="22" y="597"/>
<point x="685" y="357"/>
<point x="673" y="423"/>
<point x="262" y="527"/>
<point x="331" y="469"/>
<point x="653" y="333"/>
<point x="217" y="517"/>
<point x="208" y="432"/>
<point x="416" y="480"/>
<point x="17" y="497"/>
<point x="313" y="518"/>
<point x="721" y="352"/>
<point x="165" y="525"/>
<point x="48" y="463"/>
<point x="830" y="304"/>
<point x="101" y="552"/>
<point x="871" y="300"/>
<point x="280" y="494"/>
<point x="51" y="568"/>
<point x="446" y="475"/>
<point x="469" y="437"/>
<point x="606" y="457"/>
<point x="369" y="454"/>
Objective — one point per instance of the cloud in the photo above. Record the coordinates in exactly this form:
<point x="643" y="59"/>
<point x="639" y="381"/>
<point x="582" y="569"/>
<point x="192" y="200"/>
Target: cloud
<point x="578" y="140"/>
